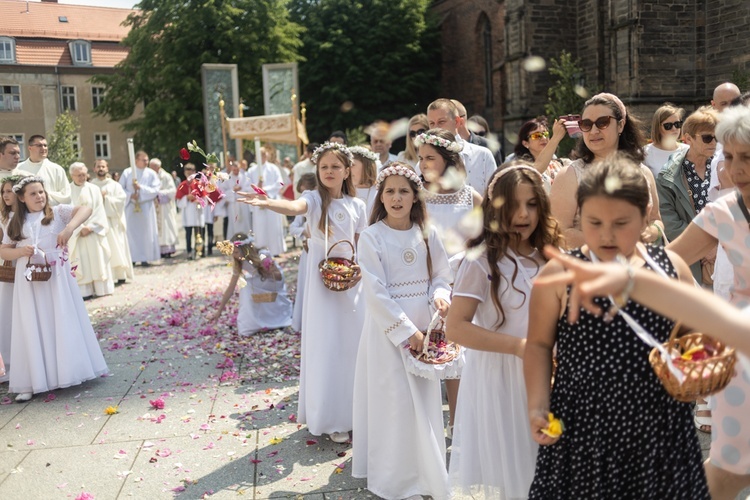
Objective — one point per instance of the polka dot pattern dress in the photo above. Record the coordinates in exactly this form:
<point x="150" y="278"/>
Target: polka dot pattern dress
<point x="624" y="437"/>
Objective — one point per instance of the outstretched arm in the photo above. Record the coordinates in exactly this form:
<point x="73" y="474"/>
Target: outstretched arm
<point x="283" y="207"/>
<point x="236" y="270"/>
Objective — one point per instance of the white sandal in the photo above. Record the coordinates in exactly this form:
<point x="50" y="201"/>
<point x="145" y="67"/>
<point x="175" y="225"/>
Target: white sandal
<point x="701" y="421"/>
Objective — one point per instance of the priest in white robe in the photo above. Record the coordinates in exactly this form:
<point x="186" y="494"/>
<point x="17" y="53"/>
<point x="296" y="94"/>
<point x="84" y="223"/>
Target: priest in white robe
<point x="114" y="206"/>
<point x="238" y="214"/>
<point x="55" y="179"/>
<point x="268" y="226"/>
<point x="141" y="184"/>
<point x="166" y="210"/>
<point x="88" y="245"/>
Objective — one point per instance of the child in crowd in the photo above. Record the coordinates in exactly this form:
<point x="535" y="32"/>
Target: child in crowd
<point x="399" y="445"/>
<point x="264" y="303"/>
<point x="624" y="436"/>
<point x="331" y="320"/>
<point x="53" y="342"/>
<point x="6" y="287"/>
<point x="299" y="230"/>
<point x="193" y="214"/>
<point x="364" y="172"/>
<point x="493" y="454"/>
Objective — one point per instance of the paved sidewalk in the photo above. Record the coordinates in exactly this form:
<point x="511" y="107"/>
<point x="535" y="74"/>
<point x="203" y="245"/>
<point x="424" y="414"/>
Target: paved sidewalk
<point x="228" y="423"/>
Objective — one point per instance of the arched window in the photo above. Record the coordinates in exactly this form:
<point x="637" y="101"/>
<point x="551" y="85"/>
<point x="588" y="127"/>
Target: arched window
<point x="7" y="50"/>
<point x="486" y="31"/>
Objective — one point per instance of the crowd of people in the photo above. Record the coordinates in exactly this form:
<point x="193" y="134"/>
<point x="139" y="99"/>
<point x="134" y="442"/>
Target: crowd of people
<point x="555" y="275"/>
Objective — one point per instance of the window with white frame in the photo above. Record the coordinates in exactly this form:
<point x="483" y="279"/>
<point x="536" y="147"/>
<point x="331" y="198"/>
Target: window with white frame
<point x="77" y="145"/>
<point x="7" y="50"/>
<point x="10" y="98"/>
<point x="68" y="97"/>
<point x="80" y="52"/>
<point x="101" y="146"/>
<point x="97" y="96"/>
<point x="21" y="142"/>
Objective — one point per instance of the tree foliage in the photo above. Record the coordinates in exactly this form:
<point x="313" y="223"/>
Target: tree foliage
<point x="169" y="40"/>
<point x="62" y="140"/>
<point x="365" y="60"/>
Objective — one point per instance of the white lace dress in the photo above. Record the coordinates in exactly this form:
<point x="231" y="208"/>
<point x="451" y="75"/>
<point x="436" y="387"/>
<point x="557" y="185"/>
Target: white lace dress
<point x="53" y="342"/>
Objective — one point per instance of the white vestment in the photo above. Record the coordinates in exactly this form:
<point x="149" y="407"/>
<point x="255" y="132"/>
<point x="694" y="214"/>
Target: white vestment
<point x="143" y="235"/>
<point x="166" y="212"/>
<point x="193" y="214"/>
<point x="91" y="253"/>
<point x="238" y="214"/>
<point x="55" y="179"/>
<point x="268" y="226"/>
<point x="114" y="206"/>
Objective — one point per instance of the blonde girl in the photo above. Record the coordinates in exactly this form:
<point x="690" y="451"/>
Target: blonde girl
<point x="6" y="289"/>
<point x="418" y="124"/>
<point x="364" y="172"/>
<point x="331" y="321"/>
<point x="399" y="445"/>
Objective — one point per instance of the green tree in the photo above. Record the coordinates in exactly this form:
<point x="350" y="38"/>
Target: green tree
<point x="62" y="140"/>
<point x="567" y="95"/>
<point x="365" y="60"/>
<point x="169" y="40"/>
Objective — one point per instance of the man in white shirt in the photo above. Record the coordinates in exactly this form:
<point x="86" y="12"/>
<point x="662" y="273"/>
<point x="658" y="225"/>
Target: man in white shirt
<point x="89" y="247"/>
<point x="114" y="198"/>
<point x="479" y="162"/>
<point x="142" y="185"/>
<point x="55" y="179"/>
<point x="166" y="210"/>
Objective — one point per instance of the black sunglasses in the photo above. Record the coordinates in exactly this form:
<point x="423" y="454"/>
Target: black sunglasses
<point x="601" y="123"/>
<point x="707" y="138"/>
<point x="481" y="133"/>
<point x="414" y="133"/>
<point x="668" y="126"/>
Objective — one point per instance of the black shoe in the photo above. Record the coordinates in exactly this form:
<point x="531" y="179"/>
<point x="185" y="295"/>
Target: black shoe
<point x="145" y="264"/>
<point x="88" y="297"/>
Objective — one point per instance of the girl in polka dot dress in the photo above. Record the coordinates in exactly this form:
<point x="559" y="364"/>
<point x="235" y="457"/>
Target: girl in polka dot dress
<point x="624" y="436"/>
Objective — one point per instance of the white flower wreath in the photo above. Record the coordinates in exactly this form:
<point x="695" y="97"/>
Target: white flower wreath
<point x="434" y="140"/>
<point x="330" y="146"/>
<point x="364" y="152"/>
<point x="398" y="168"/>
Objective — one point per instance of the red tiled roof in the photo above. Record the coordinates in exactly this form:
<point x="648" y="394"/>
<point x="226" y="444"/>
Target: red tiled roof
<point x="56" y="53"/>
<point x="42" y="20"/>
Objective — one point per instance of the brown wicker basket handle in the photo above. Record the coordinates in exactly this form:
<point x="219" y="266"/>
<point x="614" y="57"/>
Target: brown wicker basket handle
<point x="46" y="262"/>
<point x="342" y="241"/>
<point x="673" y="335"/>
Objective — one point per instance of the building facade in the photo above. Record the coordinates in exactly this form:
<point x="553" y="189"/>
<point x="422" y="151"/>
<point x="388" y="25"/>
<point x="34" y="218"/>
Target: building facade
<point x="645" y="51"/>
<point x="48" y="54"/>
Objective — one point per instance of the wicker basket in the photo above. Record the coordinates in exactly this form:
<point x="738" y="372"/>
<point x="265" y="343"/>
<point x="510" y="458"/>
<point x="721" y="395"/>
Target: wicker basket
<point x="39" y="272"/>
<point x="437" y="348"/>
<point x="264" y="297"/>
<point x="338" y="273"/>
<point x="702" y="377"/>
<point x="7" y="272"/>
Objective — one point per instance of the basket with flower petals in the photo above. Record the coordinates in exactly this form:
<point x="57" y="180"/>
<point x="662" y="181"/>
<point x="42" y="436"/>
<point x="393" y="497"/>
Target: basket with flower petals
<point x="38" y="272"/>
<point x="707" y="365"/>
<point x="339" y="273"/>
<point x="439" y="358"/>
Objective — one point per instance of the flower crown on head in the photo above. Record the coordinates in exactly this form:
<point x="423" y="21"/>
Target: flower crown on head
<point x="331" y="146"/>
<point x="27" y="180"/>
<point x="398" y="168"/>
<point x="13" y="179"/>
<point x="364" y="152"/>
<point x="433" y="140"/>
<point x="505" y="170"/>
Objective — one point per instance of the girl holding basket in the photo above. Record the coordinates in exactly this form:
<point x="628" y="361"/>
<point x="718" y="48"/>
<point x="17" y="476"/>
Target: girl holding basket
<point x="398" y="424"/>
<point x="331" y="320"/>
<point x="53" y="342"/>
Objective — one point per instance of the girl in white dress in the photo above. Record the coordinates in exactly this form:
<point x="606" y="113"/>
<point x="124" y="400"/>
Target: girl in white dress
<point x="398" y="424"/>
<point x="331" y="321"/>
<point x="449" y="202"/>
<point x="493" y="455"/>
<point x="264" y="303"/>
<point x="364" y="172"/>
<point x="6" y="289"/>
<point x="53" y="342"/>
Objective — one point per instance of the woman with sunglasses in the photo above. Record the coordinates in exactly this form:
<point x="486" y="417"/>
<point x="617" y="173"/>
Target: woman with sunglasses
<point x="418" y="124"/>
<point x="607" y="127"/>
<point x="665" y="134"/>
<point x="536" y="146"/>
<point x="684" y="181"/>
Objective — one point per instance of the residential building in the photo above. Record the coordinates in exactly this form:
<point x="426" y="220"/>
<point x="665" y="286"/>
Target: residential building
<point x="48" y="54"/>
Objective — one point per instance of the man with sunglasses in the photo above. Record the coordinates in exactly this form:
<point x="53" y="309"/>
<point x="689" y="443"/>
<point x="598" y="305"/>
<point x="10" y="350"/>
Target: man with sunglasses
<point x="683" y="182"/>
<point x="55" y="179"/>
